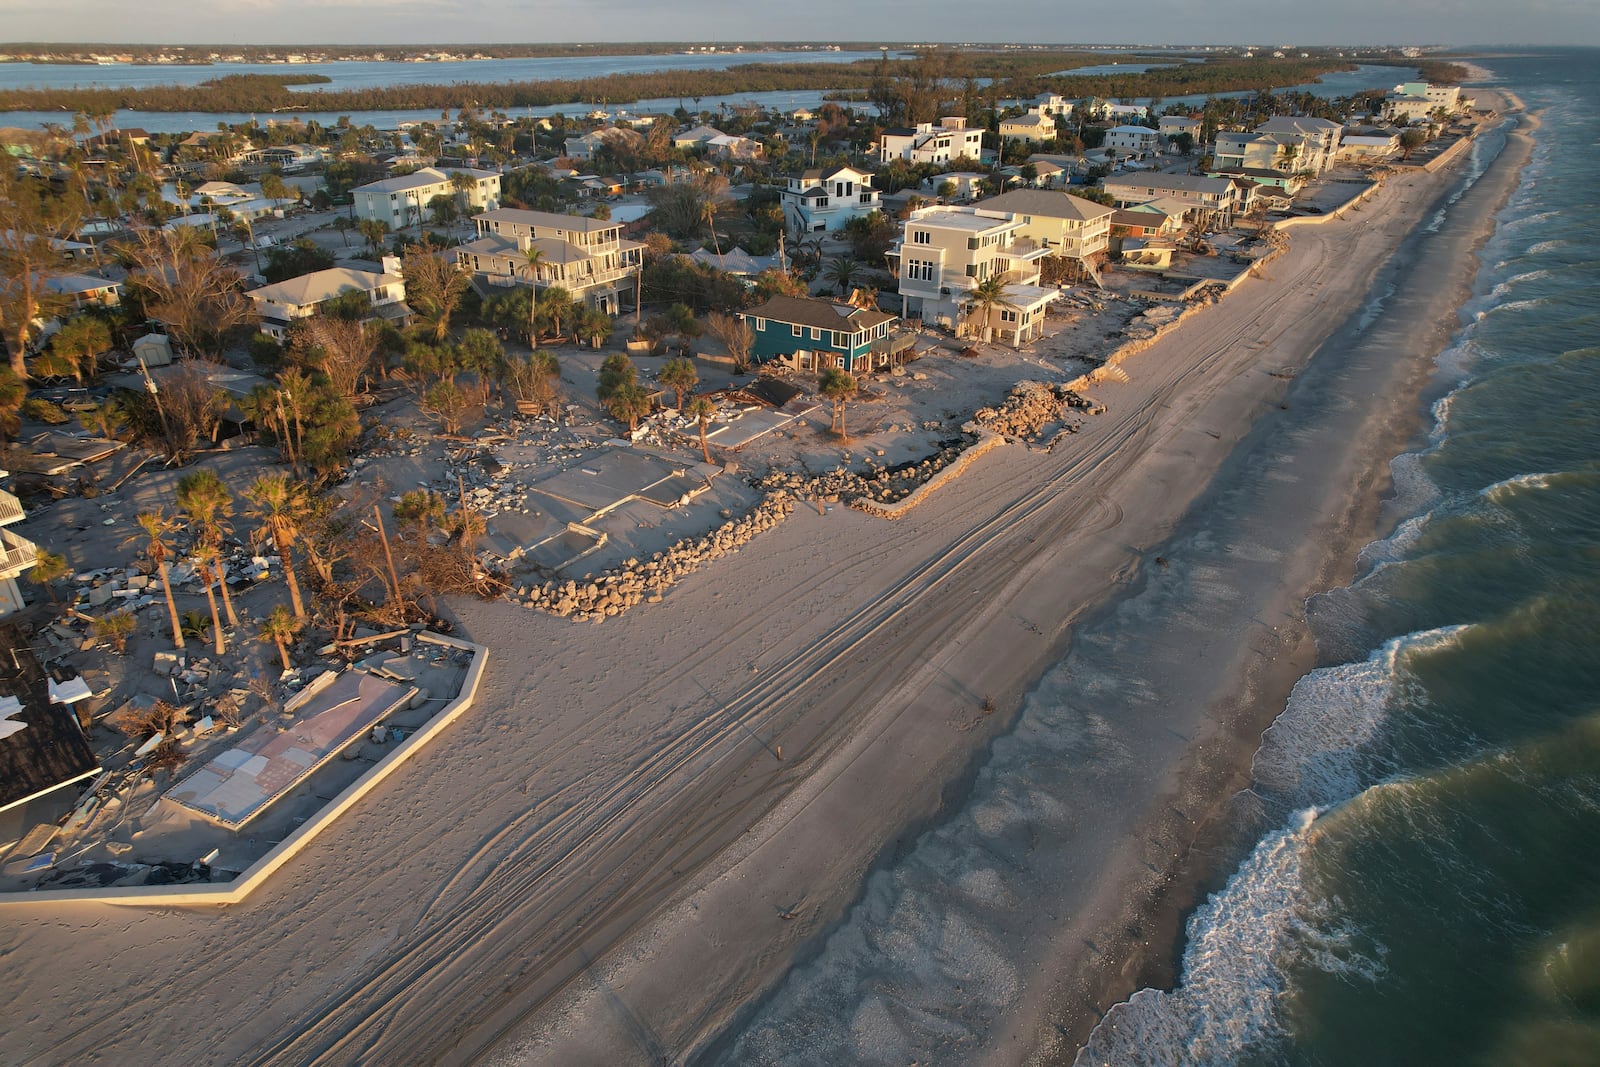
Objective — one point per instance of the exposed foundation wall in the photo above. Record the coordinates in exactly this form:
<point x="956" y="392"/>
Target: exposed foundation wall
<point x="214" y="893"/>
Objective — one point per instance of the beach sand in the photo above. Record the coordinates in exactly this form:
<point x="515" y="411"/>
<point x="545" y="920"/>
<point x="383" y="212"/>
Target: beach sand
<point x="606" y="861"/>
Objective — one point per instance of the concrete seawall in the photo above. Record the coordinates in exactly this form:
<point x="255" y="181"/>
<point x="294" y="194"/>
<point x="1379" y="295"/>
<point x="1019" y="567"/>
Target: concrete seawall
<point x="253" y="877"/>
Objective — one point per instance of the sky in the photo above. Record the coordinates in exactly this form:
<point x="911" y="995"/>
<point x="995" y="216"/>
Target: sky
<point x="1484" y="23"/>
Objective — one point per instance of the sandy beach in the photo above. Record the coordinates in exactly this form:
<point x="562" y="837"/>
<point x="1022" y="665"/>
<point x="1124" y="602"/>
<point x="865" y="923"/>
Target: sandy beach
<point x="606" y="862"/>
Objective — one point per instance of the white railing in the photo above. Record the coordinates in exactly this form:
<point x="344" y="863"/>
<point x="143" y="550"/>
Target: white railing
<point x="17" y="554"/>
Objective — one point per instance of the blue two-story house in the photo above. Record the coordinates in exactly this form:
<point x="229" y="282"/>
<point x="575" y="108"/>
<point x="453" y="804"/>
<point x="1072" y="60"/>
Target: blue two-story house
<point x="813" y="335"/>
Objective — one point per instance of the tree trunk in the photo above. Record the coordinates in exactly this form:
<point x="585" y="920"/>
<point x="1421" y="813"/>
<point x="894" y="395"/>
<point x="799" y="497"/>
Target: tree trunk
<point x="283" y="653"/>
<point x="172" y="606"/>
<point x="282" y="544"/>
<point x="227" y="598"/>
<point x="216" y="620"/>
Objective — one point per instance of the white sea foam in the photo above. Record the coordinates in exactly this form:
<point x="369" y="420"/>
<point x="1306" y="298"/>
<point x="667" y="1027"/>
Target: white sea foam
<point x="1242" y="942"/>
<point x="1517" y="305"/>
<point x="1546" y="247"/>
<point x="1505" y="287"/>
<point x="1529" y="220"/>
<point x="1502" y="491"/>
<point x="1315" y="753"/>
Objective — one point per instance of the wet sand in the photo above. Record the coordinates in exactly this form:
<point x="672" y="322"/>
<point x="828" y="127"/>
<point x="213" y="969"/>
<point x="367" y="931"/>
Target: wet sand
<point x="607" y="863"/>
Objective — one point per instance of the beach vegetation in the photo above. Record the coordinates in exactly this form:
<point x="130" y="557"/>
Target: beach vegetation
<point x="115" y="627"/>
<point x="680" y="376"/>
<point x="700" y="409"/>
<point x="839" y="387"/>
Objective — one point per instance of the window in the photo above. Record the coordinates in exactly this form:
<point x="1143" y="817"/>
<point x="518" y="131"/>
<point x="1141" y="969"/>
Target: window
<point x="796" y="330"/>
<point x="921" y="237"/>
<point x="816" y="334"/>
<point x="761" y="325"/>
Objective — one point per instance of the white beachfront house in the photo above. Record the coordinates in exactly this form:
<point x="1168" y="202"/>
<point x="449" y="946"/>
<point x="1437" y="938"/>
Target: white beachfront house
<point x="946" y="252"/>
<point x="824" y="201"/>
<point x="281" y="304"/>
<point x="403" y="201"/>
<point x="587" y="257"/>
<point x="928" y="142"/>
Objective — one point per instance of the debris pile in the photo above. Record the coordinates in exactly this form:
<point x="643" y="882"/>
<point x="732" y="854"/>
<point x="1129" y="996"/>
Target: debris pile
<point x="1031" y="407"/>
<point x="875" y="482"/>
<point x="633" y="582"/>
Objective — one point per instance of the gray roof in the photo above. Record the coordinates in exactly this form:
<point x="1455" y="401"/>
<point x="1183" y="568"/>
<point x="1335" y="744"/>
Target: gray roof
<point x="1051" y="203"/>
<point x="422" y="178"/>
<point x="1188" y="182"/>
<point x="547" y="220"/>
<point x="1297" y="124"/>
<point x="321" y="285"/>
<point x="824" y="314"/>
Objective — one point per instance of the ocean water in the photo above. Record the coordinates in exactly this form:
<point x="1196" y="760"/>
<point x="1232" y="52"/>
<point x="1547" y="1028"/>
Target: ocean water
<point x="1425" y="888"/>
<point x="1418" y="880"/>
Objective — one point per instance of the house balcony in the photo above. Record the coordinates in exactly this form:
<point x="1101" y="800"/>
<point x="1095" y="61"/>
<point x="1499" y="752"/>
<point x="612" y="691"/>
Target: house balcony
<point x="17" y="554"/>
<point x="1027" y="249"/>
<point x="893" y="346"/>
<point x="10" y="509"/>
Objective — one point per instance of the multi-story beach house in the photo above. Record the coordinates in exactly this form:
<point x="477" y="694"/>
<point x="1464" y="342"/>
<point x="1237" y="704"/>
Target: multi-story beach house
<point x="1212" y="201"/>
<point x="1051" y="105"/>
<point x="947" y="252"/>
<point x="1173" y="125"/>
<point x="589" y="258"/>
<point x="1368" y="144"/>
<point x="1029" y="128"/>
<point x="809" y="334"/>
<point x="820" y="201"/>
<point x="1136" y="141"/>
<point x="1070" y="227"/>
<point x="403" y="201"/>
<point x="927" y="142"/>
<point x="1413" y="101"/>
<point x="1287" y="144"/>
<point x="281" y="304"/>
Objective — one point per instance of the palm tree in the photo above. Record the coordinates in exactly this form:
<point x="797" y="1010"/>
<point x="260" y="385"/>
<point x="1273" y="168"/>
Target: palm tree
<point x="680" y="376"/>
<point x="463" y="185"/>
<point x="279" y="628"/>
<point x="701" y="409"/>
<point x="628" y="403"/>
<point x="116" y="627"/>
<point x="986" y="296"/>
<point x="48" y="568"/>
<point x="206" y="502"/>
<point x="617" y="372"/>
<point x="555" y="304"/>
<point x="838" y="386"/>
<point x="841" y="272"/>
<point x="592" y="323"/>
<point x="206" y="558"/>
<point x="344" y="225"/>
<point x="156" y="527"/>
<point x="280" y="506"/>
<point x="533" y="257"/>
<point x="374" y="231"/>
